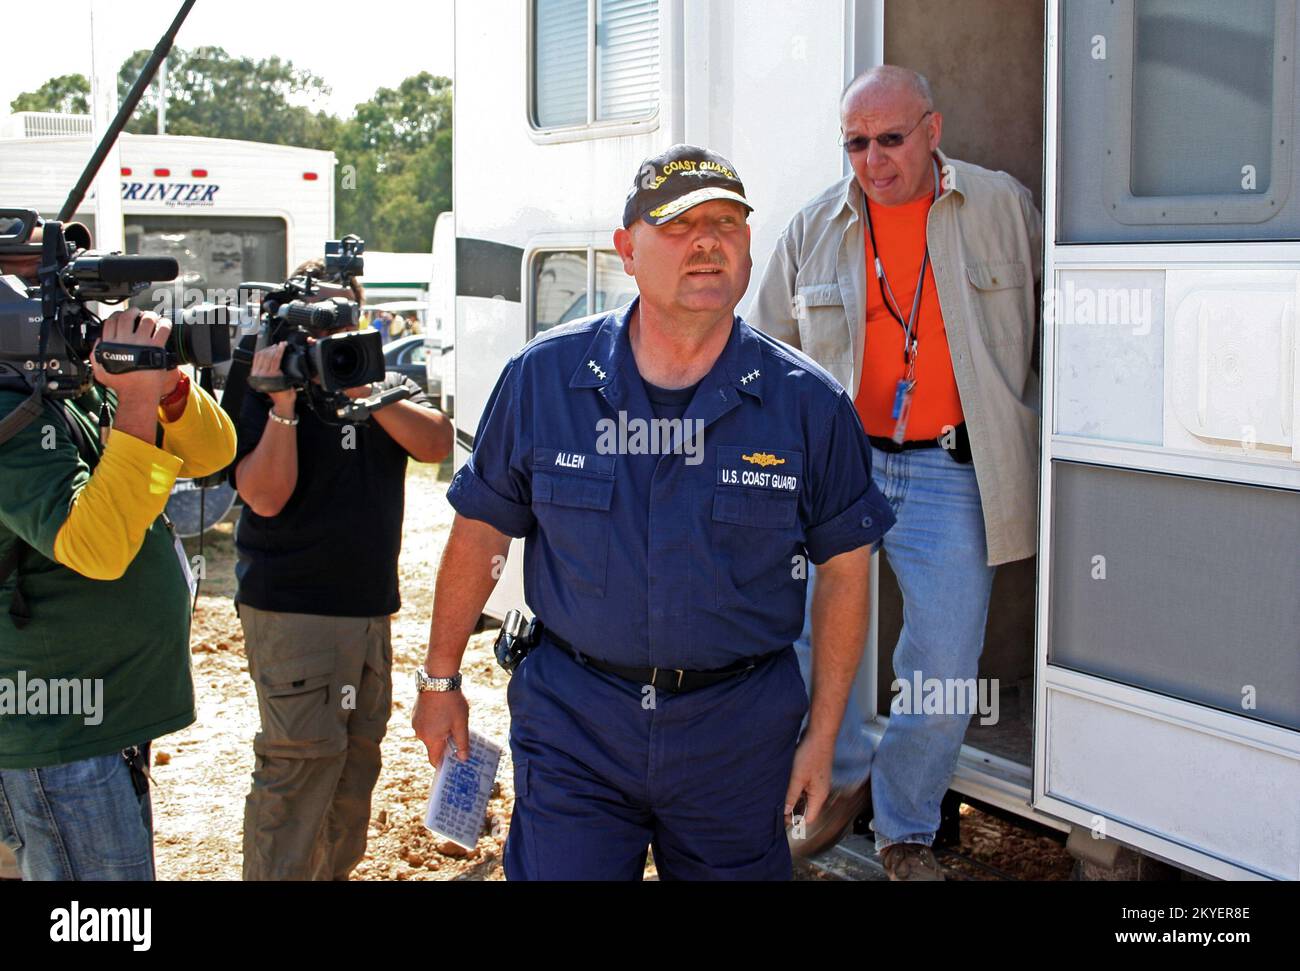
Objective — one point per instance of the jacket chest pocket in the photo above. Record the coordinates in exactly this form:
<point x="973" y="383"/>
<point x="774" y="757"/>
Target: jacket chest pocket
<point x="755" y="522"/>
<point x="999" y="297"/>
<point x="824" y="332"/>
<point x="1000" y="305"/>
<point x="572" y="496"/>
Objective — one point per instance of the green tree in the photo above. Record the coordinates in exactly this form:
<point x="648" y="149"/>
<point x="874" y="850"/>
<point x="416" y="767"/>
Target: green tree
<point x="219" y="95"/>
<point x="394" y="174"/>
<point x="394" y="154"/>
<point x="68" y="94"/>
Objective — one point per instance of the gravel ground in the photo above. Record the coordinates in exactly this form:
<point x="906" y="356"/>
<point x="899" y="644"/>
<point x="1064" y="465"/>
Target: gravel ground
<point x="202" y="773"/>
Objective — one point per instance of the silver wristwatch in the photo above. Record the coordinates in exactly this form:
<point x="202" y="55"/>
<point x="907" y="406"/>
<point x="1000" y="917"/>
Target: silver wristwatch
<point x="425" y="683"/>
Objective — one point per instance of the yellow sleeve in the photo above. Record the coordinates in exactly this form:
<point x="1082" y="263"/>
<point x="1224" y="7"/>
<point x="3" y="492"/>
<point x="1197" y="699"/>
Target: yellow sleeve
<point x="127" y="492"/>
<point x="203" y="437"/>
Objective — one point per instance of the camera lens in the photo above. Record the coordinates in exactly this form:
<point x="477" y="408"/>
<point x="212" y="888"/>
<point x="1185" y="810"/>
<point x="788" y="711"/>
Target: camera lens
<point x="345" y="364"/>
<point x="202" y="336"/>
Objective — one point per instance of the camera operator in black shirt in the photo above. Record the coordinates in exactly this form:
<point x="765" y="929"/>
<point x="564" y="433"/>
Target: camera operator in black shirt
<point x="318" y="545"/>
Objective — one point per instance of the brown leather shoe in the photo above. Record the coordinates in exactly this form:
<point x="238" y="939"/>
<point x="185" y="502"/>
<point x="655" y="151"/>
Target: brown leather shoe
<point x="910" y="861"/>
<point x="833" y="822"/>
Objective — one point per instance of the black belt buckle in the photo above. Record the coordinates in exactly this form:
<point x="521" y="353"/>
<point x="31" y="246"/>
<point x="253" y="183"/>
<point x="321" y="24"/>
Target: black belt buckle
<point x="515" y="640"/>
<point x="674" y="685"/>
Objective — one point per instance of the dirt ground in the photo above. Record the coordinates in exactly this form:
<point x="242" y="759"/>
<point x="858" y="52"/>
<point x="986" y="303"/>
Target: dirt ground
<point x="202" y="773"/>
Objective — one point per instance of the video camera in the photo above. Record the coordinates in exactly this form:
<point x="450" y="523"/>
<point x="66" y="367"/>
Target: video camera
<point x="47" y="333"/>
<point x="290" y="315"/>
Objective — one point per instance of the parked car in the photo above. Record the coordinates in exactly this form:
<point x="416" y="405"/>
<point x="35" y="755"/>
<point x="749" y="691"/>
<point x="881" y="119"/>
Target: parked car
<point x="409" y="355"/>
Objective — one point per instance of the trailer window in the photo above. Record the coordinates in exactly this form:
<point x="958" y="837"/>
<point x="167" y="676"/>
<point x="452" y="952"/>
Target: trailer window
<point x="568" y="284"/>
<point x="216" y="254"/>
<point x="1177" y="585"/>
<point x="1181" y="59"/>
<point x="1176" y="121"/>
<point x="594" y="61"/>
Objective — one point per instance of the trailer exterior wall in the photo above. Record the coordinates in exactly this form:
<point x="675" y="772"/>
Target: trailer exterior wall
<point x="1210" y="790"/>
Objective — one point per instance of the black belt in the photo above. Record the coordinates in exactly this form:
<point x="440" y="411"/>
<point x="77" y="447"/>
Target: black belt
<point x="672" y="680"/>
<point x="889" y="445"/>
<point x="959" y="452"/>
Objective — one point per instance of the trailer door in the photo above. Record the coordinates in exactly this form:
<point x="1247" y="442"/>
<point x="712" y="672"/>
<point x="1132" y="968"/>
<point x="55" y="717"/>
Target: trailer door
<point x="1168" y="632"/>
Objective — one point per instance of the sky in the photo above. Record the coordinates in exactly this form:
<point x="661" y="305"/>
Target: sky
<point x="356" y="46"/>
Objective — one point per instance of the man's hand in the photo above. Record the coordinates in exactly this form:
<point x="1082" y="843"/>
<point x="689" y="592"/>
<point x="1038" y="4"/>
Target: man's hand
<point x="438" y="716"/>
<point x="810" y="777"/>
<point x="138" y="392"/>
<point x="266" y="364"/>
<point x="139" y="329"/>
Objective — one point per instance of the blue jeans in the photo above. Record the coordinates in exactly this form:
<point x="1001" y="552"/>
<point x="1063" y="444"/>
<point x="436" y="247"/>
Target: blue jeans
<point x="938" y="552"/>
<point x="78" y="821"/>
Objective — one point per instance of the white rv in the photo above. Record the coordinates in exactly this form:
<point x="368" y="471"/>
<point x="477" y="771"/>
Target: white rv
<point x="442" y="311"/>
<point x="227" y="210"/>
<point x="1149" y="658"/>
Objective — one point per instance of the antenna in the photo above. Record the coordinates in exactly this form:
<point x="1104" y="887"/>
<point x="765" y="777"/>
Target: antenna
<point x="124" y="114"/>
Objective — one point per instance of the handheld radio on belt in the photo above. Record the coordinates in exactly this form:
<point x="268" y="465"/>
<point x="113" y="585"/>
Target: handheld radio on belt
<point x="515" y="640"/>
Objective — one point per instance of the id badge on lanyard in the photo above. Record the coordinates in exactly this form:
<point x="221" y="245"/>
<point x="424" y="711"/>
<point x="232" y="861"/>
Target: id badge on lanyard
<point x="903" y="397"/>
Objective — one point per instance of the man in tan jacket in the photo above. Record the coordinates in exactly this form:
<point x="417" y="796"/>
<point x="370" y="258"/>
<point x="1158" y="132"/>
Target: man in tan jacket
<point x="912" y="282"/>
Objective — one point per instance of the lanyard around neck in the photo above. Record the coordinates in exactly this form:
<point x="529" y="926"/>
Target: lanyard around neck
<point x="887" y="292"/>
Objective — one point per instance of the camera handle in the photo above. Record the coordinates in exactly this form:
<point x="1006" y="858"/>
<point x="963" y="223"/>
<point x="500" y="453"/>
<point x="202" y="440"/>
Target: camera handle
<point x="363" y="408"/>
<point x="122" y="358"/>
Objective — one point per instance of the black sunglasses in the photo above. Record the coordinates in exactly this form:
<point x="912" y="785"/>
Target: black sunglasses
<point x="889" y="139"/>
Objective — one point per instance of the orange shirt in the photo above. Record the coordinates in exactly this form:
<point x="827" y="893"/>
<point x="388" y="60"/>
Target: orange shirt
<point x="900" y="234"/>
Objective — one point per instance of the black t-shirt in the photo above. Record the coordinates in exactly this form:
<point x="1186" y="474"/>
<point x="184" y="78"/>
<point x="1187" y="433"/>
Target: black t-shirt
<point x="669" y="402"/>
<point x="333" y="548"/>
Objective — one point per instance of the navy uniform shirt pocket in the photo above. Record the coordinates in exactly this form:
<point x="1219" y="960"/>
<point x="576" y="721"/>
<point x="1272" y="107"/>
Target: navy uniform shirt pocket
<point x="755" y="522"/>
<point x="572" y="495"/>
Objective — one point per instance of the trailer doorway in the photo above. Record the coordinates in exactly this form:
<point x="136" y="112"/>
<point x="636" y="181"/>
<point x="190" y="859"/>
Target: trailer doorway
<point x="985" y="63"/>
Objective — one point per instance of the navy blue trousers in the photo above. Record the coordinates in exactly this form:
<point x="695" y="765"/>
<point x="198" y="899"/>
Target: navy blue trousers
<point x="605" y="769"/>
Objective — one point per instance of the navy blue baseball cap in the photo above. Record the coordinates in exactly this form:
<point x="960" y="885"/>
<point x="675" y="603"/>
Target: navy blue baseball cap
<point x="673" y="181"/>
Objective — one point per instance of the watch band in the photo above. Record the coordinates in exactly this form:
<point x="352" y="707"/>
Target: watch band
<point x="424" y="682"/>
<point x="282" y="421"/>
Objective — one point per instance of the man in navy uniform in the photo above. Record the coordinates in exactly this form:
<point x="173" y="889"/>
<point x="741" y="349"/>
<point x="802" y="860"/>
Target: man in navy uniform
<point x="673" y="472"/>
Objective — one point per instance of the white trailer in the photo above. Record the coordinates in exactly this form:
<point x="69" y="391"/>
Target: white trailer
<point x="442" y="311"/>
<point x="227" y="210"/>
<point x="1149" y="658"/>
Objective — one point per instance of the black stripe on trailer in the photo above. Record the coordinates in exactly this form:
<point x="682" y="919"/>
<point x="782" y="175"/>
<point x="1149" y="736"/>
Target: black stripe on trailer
<point x="488" y="269"/>
<point x="465" y="438"/>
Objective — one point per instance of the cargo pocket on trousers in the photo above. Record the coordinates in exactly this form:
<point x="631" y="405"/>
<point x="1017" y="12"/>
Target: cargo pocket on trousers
<point x="299" y="719"/>
<point x="520" y="829"/>
<point x="521" y="778"/>
<point x="8" y="827"/>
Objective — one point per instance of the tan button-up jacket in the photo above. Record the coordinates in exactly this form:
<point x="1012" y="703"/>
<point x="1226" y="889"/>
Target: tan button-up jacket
<point x="985" y="238"/>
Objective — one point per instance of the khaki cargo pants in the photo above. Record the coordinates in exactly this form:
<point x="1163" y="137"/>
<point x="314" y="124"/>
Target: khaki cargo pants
<point x="324" y="691"/>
